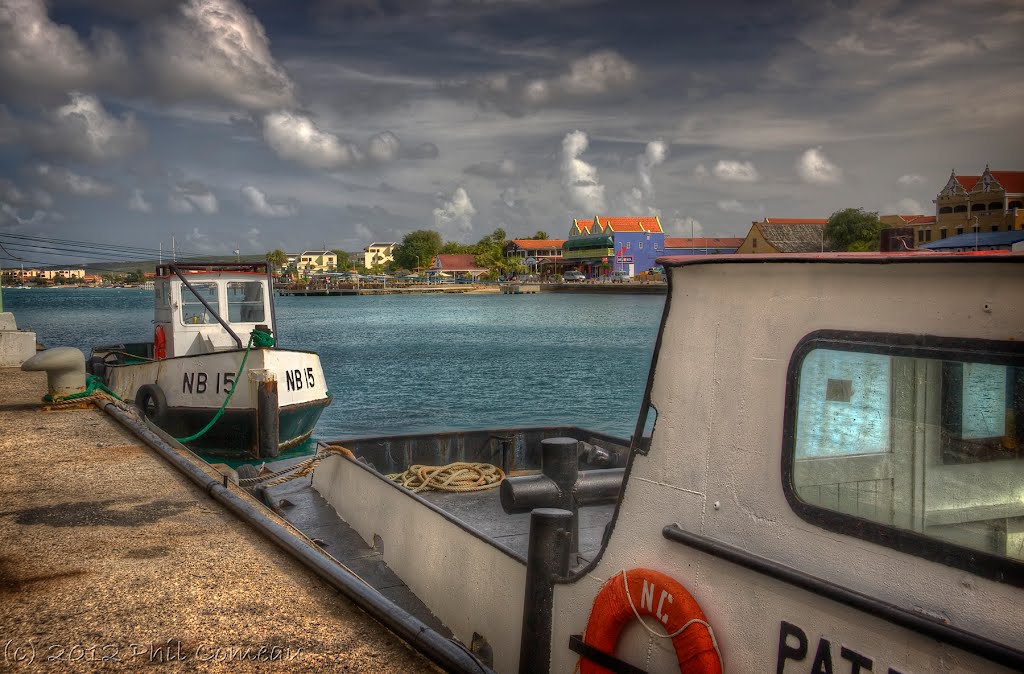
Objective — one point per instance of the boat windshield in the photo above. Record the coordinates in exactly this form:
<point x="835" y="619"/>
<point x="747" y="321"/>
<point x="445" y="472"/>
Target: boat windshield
<point x="193" y="312"/>
<point x="245" y="302"/>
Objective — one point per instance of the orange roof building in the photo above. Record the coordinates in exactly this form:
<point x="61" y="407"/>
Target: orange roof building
<point x="990" y="202"/>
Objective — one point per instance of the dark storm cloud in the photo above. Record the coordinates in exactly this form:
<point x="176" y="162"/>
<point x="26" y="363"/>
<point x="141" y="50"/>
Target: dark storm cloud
<point x="331" y="108"/>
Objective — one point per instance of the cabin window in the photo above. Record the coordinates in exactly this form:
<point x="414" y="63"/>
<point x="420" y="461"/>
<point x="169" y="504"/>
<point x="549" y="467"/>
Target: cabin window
<point x="915" y="443"/>
<point x="193" y="311"/>
<point x="245" y="302"/>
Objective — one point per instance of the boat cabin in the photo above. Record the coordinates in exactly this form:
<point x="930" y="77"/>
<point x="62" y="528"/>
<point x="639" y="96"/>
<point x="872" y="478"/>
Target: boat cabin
<point x="203" y="308"/>
<point x="827" y="475"/>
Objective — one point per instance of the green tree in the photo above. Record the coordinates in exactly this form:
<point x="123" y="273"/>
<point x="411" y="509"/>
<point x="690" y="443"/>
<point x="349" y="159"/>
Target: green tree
<point x="417" y="249"/>
<point x="456" y="248"/>
<point x="277" y="259"/>
<point x="853" y="229"/>
<point x="343" y="260"/>
<point x="541" y="234"/>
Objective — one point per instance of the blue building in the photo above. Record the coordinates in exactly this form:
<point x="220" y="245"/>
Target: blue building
<point x="604" y="245"/>
<point x="977" y="241"/>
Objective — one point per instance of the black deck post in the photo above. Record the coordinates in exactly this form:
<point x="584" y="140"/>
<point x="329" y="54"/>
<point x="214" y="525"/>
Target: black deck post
<point x="547" y="558"/>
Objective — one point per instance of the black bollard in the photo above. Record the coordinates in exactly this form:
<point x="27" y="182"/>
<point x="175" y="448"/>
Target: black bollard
<point x="547" y="558"/>
<point x="268" y="420"/>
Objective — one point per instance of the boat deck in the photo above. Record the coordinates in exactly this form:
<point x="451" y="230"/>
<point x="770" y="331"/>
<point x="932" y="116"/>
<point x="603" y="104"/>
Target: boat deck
<point x="305" y="508"/>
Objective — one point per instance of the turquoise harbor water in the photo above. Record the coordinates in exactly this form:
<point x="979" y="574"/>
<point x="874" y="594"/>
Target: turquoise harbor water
<point x="408" y="364"/>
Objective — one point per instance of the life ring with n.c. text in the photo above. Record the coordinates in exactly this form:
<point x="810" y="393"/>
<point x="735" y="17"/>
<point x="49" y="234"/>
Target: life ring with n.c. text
<point x="629" y="595"/>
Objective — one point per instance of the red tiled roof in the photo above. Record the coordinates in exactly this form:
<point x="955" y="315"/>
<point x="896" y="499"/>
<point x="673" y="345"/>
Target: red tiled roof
<point x="584" y="225"/>
<point x="712" y="242"/>
<point x="968" y="182"/>
<point x="1012" y="181"/>
<point x="793" y="221"/>
<point x="460" y="262"/>
<point x="537" y="244"/>
<point x="919" y="219"/>
<point x="631" y="224"/>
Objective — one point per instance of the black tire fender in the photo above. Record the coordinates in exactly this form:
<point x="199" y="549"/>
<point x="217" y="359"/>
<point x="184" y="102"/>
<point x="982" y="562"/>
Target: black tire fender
<point x="152" y="402"/>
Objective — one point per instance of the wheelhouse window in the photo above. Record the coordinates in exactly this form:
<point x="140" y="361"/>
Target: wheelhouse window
<point x="913" y="443"/>
<point x="193" y="311"/>
<point x="245" y="302"/>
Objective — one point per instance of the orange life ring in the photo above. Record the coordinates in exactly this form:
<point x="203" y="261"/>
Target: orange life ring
<point x="644" y="592"/>
<point x="159" y="343"/>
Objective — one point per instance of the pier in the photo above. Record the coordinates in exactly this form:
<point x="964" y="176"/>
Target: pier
<point x="113" y="559"/>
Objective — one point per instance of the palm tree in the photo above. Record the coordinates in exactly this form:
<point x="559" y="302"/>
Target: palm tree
<point x="277" y="258"/>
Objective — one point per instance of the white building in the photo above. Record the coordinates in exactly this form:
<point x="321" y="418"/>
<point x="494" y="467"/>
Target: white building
<point x="378" y="254"/>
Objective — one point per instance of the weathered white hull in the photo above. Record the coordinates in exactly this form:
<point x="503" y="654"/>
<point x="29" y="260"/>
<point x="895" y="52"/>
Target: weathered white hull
<point x="203" y="381"/>
<point x="193" y="388"/>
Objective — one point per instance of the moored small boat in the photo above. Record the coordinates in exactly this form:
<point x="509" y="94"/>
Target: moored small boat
<point x="213" y="376"/>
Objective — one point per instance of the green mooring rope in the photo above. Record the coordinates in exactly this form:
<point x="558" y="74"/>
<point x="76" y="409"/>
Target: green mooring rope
<point x="92" y="384"/>
<point x="262" y="340"/>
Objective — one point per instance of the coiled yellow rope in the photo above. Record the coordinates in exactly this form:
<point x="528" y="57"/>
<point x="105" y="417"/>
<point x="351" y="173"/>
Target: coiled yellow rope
<point x="456" y="477"/>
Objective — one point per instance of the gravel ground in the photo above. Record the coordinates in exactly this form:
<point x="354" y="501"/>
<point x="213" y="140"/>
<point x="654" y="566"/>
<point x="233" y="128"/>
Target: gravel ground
<point x="112" y="560"/>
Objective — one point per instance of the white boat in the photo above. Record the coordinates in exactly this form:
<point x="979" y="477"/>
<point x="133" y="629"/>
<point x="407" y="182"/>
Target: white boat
<point x="827" y="475"/>
<point x="208" y="319"/>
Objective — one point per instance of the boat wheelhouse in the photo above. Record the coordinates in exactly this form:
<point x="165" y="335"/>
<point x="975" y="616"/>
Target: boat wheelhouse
<point x="214" y="328"/>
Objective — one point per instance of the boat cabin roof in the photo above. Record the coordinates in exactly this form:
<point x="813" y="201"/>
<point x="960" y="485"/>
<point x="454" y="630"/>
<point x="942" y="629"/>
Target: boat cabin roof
<point x="854" y="258"/>
<point x="218" y="268"/>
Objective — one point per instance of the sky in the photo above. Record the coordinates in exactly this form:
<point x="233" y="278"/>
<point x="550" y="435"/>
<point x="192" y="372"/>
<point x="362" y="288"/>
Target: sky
<point x="257" y="125"/>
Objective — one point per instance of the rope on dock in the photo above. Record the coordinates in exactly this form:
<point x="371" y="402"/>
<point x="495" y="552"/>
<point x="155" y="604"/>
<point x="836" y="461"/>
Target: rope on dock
<point x="94" y="389"/>
<point x="460" y="476"/>
<point x="298" y="470"/>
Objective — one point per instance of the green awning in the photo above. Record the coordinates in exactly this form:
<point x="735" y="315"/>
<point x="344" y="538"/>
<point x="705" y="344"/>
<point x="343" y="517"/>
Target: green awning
<point x="585" y="242"/>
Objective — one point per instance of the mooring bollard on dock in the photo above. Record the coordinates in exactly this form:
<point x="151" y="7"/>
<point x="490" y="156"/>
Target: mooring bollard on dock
<point x="547" y="559"/>
<point x="64" y="367"/>
<point x="561" y="484"/>
<point x="268" y="418"/>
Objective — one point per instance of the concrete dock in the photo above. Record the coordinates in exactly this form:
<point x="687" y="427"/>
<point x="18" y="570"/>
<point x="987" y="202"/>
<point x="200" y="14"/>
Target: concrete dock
<point x="110" y="559"/>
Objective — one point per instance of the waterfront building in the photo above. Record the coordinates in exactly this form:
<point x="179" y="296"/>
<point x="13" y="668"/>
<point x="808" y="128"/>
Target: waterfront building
<point x="991" y="202"/>
<point x="914" y="229"/>
<point x="541" y="250"/>
<point x="461" y="266"/>
<point x="51" y="274"/>
<point x="379" y="254"/>
<point x="314" y="261"/>
<point x="977" y="241"/>
<point x="785" y="235"/>
<point x="605" y="244"/>
<point x="702" y="245"/>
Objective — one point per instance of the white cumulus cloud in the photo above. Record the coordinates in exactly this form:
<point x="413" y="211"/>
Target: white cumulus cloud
<point x="191" y="196"/>
<point x="905" y="206"/>
<point x="138" y="202"/>
<point x="596" y="74"/>
<point x="731" y="206"/>
<point x="41" y="58"/>
<point x="910" y="179"/>
<point x="580" y="180"/>
<point x="814" y="167"/>
<point x="736" y="171"/>
<point x="65" y="180"/>
<point x="297" y="138"/>
<point x="454" y="218"/>
<point x="256" y="202"/>
<point x="686" y="226"/>
<point x="85" y="130"/>
<point x="217" y="49"/>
